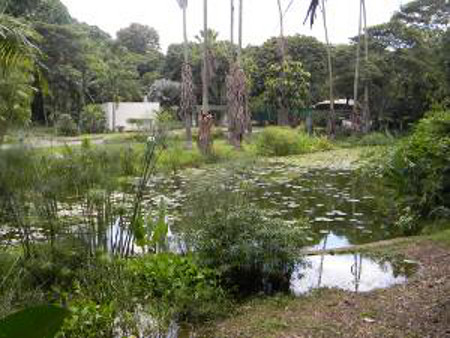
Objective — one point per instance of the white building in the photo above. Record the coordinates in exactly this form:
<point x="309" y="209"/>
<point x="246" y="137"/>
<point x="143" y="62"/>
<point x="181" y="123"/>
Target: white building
<point x="130" y="116"/>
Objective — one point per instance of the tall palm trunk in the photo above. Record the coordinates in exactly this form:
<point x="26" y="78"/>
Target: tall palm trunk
<point x="205" y="58"/>
<point x="366" y="107"/>
<point x="232" y="23"/>
<point x="332" y="114"/>
<point x="238" y="112"/>
<point x="283" y="114"/>
<point x="356" y="106"/>
<point x="186" y="83"/>
<point x="206" y="119"/>
<point x="230" y="117"/>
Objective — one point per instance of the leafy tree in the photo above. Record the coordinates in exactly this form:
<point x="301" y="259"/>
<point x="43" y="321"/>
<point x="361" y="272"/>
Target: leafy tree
<point x="425" y="14"/>
<point x="17" y="58"/>
<point x="138" y="38"/>
<point x="15" y="98"/>
<point x="293" y="84"/>
<point x="308" y="50"/>
<point x="48" y="11"/>
<point x="16" y="46"/>
<point x="166" y="92"/>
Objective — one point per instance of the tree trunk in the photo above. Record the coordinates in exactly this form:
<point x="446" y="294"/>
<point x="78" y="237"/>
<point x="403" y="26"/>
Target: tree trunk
<point x="283" y="113"/>
<point x="237" y="95"/>
<point x="332" y="114"/>
<point x="366" y="107"/>
<point x="187" y="101"/>
<point x="356" y="107"/>
<point x="229" y="78"/>
<point x="3" y="129"/>
<point x="232" y="24"/>
<point x="187" y="87"/>
<point x="205" y="119"/>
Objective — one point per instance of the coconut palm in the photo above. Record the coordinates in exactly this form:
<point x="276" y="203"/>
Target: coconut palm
<point x="187" y="87"/>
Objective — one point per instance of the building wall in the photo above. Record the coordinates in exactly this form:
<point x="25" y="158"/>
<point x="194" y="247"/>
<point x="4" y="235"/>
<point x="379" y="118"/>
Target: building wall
<point x="126" y="111"/>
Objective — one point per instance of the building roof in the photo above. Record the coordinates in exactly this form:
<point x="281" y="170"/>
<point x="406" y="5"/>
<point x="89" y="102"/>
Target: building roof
<point x="343" y="102"/>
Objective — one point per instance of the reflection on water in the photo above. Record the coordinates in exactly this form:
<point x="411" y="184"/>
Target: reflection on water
<point x="331" y="241"/>
<point x="352" y="272"/>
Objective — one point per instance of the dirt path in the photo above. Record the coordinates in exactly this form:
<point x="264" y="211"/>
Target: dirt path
<point x="420" y="308"/>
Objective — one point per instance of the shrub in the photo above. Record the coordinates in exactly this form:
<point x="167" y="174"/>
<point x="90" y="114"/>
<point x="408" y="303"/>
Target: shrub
<point x="177" y="286"/>
<point x="408" y="223"/>
<point x="157" y="288"/>
<point x="419" y="167"/>
<point x="278" y="141"/>
<point x="376" y="139"/>
<point x="66" y="126"/>
<point x="251" y="251"/>
<point x="93" y="119"/>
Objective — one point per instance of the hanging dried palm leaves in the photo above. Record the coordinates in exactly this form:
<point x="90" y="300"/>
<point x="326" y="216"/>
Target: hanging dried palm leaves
<point x="206" y="121"/>
<point x="238" y="112"/>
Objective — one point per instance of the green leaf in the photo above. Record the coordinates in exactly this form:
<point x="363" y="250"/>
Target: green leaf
<point x="34" y="322"/>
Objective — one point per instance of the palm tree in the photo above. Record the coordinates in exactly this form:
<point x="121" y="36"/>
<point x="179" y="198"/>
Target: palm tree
<point x="311" y="14"/>
<point x="366" y="108"/>
<point x="17" y="52"/>
<point x="206" y="119"/>
<point x="237" y="94"/>
<point x="187" y="95"/>
<point x="16" y="47"/>
<point x="332" y="115"/>
<point x="283" y="114"/>
<point x="356" y="106"/>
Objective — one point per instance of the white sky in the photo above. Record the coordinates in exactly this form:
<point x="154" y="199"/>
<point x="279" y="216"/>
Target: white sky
<point x="260" y="17"/>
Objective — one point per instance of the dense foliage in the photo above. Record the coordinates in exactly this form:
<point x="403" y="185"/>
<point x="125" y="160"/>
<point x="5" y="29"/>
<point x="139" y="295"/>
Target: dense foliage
<point x="419" y="167"/>
<point x="251" y="251"/>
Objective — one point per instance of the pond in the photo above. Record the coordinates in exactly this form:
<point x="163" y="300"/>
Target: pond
<point x="343" y="209"/>
<point x="349" y="272"/>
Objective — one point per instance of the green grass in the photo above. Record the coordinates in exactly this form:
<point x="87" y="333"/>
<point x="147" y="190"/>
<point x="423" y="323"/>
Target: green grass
<point x="442" y="237"/>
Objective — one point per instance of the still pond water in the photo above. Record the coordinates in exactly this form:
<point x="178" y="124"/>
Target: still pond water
<point x="342" y="208"/>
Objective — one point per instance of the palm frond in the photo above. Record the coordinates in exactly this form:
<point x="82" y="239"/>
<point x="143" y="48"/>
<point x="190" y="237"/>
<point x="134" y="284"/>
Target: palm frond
<point x="16" y="46"/>
<point x="312" y="10"/>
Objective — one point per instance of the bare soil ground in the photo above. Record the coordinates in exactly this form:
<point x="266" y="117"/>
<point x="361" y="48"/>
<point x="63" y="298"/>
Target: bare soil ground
<point x="420" y="308"/>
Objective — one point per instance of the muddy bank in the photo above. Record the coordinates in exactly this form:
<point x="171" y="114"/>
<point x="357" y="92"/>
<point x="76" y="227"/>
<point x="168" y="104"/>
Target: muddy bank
<point x="419" y="308"/>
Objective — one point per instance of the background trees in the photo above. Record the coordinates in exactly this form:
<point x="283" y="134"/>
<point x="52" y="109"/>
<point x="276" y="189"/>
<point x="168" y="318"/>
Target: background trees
<point x="17" y="60"/>
<point x="84" y="65"/>
<point x="138" y="38"/>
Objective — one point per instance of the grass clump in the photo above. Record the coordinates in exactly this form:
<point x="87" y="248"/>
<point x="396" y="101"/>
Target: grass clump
<point x="280" y="141"/>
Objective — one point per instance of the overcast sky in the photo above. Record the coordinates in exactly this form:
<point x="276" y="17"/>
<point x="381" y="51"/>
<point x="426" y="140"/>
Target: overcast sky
<point x="260" y="17"/>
